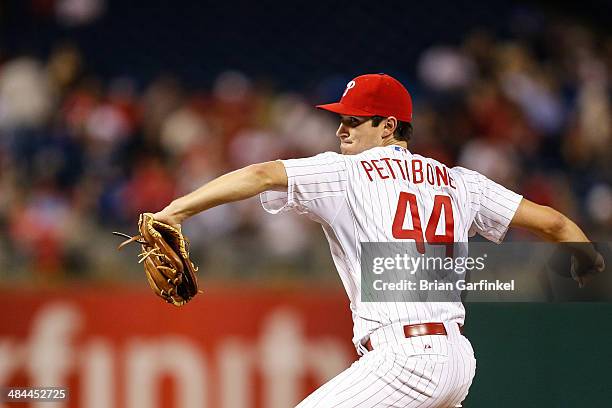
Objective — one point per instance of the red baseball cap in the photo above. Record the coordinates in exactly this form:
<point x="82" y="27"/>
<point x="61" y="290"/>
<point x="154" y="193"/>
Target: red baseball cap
<point x="374" y="95"/>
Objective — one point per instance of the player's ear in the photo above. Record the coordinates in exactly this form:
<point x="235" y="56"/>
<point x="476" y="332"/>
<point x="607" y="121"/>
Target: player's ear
<point x="390" y="125"/>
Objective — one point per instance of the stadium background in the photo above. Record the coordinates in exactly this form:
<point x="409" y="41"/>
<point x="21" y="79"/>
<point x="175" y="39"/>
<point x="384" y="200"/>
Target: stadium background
<point x="110" y="108"/>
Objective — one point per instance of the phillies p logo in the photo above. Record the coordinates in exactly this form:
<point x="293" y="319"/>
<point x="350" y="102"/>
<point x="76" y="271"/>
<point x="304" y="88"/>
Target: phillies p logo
<point x="349" y="86"/>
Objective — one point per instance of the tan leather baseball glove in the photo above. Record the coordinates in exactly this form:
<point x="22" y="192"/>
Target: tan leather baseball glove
<point x="165" y="257"/>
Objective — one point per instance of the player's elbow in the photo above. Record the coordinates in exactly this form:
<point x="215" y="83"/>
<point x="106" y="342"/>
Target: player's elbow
<point x="553" y="224"/>
<point x="259" y="173"/>
<point x="269" y="175"/>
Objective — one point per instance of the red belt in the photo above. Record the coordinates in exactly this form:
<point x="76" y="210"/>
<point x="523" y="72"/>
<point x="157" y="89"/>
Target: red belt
<point x="420" y="329"/>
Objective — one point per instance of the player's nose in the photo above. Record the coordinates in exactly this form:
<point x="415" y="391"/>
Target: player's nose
<point x="342" y="131"/>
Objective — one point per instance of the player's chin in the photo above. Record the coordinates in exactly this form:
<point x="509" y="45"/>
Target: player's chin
<point x="348" y="148"/>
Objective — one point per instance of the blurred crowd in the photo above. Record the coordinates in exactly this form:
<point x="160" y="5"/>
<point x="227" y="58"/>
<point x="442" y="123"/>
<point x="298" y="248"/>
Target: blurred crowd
<point x="81" y="156"/>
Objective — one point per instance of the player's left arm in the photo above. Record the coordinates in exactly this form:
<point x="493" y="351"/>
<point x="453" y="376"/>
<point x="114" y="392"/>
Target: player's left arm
<point x="552" y="225"/>
<point x="235" y="186"/>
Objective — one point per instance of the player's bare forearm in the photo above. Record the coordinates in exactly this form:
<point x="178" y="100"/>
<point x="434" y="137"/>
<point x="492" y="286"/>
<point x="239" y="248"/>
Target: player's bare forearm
<point x="235" y="186"/>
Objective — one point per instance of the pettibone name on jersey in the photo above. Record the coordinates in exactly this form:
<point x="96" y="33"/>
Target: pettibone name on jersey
<point x="410" y="170"/>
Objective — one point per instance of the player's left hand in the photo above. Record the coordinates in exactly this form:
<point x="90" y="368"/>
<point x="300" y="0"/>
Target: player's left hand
<point x="583" y="270"/>
<point x="165" y="257"/>
<point x="166" y="217"/>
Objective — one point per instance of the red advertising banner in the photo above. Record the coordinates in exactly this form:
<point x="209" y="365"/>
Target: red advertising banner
<point x="124" y="348"/>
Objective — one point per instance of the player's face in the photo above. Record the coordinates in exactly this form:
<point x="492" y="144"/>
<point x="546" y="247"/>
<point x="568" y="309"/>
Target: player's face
<point x="357" y="134"/>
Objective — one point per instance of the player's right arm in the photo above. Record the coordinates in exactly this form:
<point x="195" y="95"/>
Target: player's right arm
<point x="547" y="223"/>
<point x="496" y="208"/>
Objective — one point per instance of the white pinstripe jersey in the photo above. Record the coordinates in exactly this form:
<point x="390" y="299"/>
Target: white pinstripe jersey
<point x="371" y="197"/>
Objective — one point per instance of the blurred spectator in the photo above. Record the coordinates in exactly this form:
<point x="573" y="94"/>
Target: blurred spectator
<point x="599" y="204"/>
<point x="78" y="12"/>
<point x="160" y="99"/>
<point x="65" y="64"/>
<point x="25" y="94"/>
<point x="524" y="84"/>
<point x="497" y="161"/>
<point x="37" y="229"/>
<point x="183" y="130"/>
<point x="151" y="188"/>
<point x="445" y="69"/>
<point x="594" y="114"/>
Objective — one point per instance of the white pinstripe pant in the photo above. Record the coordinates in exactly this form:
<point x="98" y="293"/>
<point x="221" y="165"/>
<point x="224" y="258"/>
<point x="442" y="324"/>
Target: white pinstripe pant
<point x="424" y="372"/>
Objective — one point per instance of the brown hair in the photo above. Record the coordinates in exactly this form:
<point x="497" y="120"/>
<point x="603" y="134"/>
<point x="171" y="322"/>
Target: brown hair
<point x="403" y="131"/>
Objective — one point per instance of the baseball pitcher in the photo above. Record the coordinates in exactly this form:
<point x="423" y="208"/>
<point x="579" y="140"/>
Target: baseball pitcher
<point x="411" y="354"/>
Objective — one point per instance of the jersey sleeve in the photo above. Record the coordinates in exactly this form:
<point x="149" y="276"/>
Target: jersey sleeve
<point x="492" y="205"/>
<point x="315" y="186"/>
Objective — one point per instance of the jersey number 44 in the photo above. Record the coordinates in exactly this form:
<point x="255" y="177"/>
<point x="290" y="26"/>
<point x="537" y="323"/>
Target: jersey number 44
<point x="441" y="203"/>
